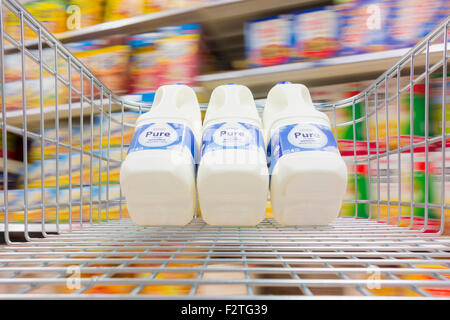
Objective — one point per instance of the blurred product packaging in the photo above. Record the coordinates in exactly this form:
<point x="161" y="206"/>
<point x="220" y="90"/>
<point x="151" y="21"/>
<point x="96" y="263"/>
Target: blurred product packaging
<point x="179" y="53"/>
<point x="411" y="20"/>
<point x="144" y="69"/>
<point x="84" y="13"/>
<point x="316" y="33"/>
<point x="269" y="41"/>
<point x="119" y="9"/>
<point x="107" y="58"/>
<point x="437" y="86"/>
<point x="363" y="26"/>
<point x="51" y="13"/>
<point x="357" y="188"/>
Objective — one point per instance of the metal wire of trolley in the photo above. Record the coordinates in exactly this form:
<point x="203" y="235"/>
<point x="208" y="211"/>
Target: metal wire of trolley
<point x="74" y="247"/>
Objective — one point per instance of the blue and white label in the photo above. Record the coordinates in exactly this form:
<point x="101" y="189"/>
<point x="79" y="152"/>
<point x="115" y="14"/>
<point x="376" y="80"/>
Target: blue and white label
<point x="299" y="138"/>
<point x="231" y="135"/>
<point x="163" y="135"/>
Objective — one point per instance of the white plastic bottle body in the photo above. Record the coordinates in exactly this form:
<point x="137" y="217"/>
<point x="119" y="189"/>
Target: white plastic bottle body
<point x="232" y="179"/>
<point x="157" y="176"/>
<point x="308" y="175"/>
<point x="159" y="184"/>
<point x="307" y="187"/>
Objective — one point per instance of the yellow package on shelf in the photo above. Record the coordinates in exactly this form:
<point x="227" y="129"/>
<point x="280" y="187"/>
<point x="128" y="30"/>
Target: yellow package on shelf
<point x="51" y="13"/>
<point x="118" y="9"/>
<point x="50" y="146"/>
<point x="84" y="13"/>
<point x="14" y="92"/>
<point x="109" y="64"/>
<point x="109" y="132"/>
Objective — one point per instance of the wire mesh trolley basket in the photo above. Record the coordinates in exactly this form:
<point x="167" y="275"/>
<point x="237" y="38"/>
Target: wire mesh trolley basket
<point x="66" y="230"/>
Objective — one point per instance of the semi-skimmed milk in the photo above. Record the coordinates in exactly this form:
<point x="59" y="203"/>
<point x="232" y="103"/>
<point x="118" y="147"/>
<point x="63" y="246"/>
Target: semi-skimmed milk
<point x="308" y="174"/>
<point x="232" y="179"/>
<point x="158" y="174"/>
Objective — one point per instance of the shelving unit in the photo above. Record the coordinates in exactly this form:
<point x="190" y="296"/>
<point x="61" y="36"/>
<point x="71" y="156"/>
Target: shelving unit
<point x="222" y="23"/>
<point x="33" y="115"/>
<point x="221" y="19"/>
<point x="319" y="72"/>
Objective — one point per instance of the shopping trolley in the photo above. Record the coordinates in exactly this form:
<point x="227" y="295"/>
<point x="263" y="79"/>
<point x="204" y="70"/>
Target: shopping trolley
<point x="70" y="237"/>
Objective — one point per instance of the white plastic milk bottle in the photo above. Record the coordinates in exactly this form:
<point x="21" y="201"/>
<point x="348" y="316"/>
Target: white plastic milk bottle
<point x="232" y="179"/>
<point x="308" y="174"/>
<point x="158" y="173"/>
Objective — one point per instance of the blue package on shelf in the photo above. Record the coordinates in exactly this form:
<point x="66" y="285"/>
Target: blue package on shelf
<point x="411" y="20"/>
<point x="315" y="33"/>
<point x="363" y="26"/>
<point x="269" y="41"/>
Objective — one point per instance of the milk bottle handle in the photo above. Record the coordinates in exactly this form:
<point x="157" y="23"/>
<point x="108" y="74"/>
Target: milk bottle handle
<point x="181" y="102"/>
<point x="230" y="96"/>
<point x="289" y="96"/>
<point x="286" y="100"/>
<point x="175" y="96"/>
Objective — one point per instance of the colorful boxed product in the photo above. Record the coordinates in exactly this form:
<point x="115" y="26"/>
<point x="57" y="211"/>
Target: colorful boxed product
<point x="357" y="189"/>
<point x="16" y="201"/>
<point x="436" y="159"/>
<point x="113" y="209"/>
<point x="15" y="198"/>
<point x="107" y="59"/>
<point x="269" y="41"/>
<point x="144" y="69"/>
<point x="84" y="13"/>
<point x="13" y="66"/>
<point x="437" y="106"/>
<point x="363" y="26"/>
<point x="151" y="6"/>
<point x="14" y="92"/>
<point x="13" y="95"/>
<point x="50" y="92"/>
<point x="85" y="200"/>
<point x="173" y="4"/>
<point x="412" y="20"/>
<point x="420" y="189"/>
<point x="178" y="52"/>
<point x="78" y="203"/>
<point x="50" y="146"/>
<point x="380" y="127"/>
<point x="108" y="172"/>
<point x="51" y="13"/>
<point x="58" y="172"/>
<point x="343" y="116"/>
<point x="316" y="33"/>
<point x="397" y="187"/>
<point x="118" y="9"/>
<point x="115" y="128"/>
<point x="48" y="57"/>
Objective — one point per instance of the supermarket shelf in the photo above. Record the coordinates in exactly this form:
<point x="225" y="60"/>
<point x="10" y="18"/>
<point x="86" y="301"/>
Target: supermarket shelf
<point x="33" y="115"/>
<point x="209" y="13"/>
<point x="13" y="165"/>
<point x="319" y="72"/>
